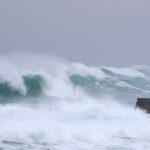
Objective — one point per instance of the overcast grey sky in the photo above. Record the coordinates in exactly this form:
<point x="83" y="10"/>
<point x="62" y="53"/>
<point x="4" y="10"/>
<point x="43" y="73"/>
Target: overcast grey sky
<point x="108" y="32"/>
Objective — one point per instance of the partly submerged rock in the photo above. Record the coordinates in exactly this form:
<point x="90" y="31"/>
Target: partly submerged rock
<point x="144" y="104"/>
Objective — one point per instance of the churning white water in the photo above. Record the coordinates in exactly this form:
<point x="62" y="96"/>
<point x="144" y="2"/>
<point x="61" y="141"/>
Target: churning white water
<point x="70" y="106"/>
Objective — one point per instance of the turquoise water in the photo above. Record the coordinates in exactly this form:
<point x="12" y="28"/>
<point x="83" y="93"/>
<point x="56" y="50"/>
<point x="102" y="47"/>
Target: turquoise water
<point x="60" y="105"/>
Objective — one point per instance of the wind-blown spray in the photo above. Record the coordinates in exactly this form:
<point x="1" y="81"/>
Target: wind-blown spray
<point x="49" y="103"/>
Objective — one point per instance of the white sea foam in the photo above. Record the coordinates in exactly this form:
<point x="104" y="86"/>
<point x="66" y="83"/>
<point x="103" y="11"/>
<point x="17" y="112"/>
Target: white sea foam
<point x="130" y="72"/>
<point x="88" y="70"/>
<point x="75" y="125"/>
<point x="9" y="74"/>
<point x="52" y="70"/>
<point x="71" y="118"/>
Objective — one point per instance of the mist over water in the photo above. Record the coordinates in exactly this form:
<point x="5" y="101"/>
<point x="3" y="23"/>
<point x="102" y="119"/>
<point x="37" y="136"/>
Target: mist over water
<point x="48" y="103"/>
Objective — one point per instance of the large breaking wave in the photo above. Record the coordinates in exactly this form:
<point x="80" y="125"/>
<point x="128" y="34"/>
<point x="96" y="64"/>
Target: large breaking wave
<point x="61" y="79"/>
<point x="50" y="103"/>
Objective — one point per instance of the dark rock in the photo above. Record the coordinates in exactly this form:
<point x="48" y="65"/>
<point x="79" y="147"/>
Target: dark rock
<point x="144" y="104"/>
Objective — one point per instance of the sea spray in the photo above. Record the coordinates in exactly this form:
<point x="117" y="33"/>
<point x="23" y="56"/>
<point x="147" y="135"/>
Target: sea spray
<point x="59" y="105"/>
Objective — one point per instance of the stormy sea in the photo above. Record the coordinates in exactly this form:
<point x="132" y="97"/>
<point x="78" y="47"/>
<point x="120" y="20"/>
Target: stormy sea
<point x="49" y="103"/>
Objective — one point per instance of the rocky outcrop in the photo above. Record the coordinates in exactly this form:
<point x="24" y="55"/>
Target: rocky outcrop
<point x="144" y="104"/>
